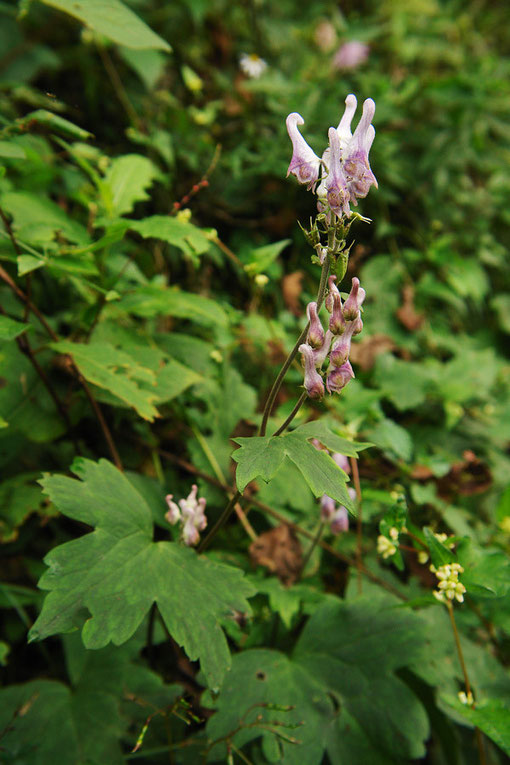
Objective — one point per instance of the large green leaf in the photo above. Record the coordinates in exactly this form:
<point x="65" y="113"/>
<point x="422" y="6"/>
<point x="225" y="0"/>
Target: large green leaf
<point x="182" y="234"/>
<point x="341" y="680"/>
<point x="117" y="572"/>
<point x="492" y="716"/>
<point x="126" y="180"/>
<point x="116" y="371"/>
<point x="37" y="219"/>
<point x="260" y="457"/>
<point x="44" y="721"/>
<point x="112" y="19"/>
<point x="154" y="300"/>
<point x="9" y="329"/>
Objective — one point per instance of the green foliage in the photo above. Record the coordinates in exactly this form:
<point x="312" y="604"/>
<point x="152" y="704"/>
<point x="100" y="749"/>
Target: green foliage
<point x="127" y="572"/>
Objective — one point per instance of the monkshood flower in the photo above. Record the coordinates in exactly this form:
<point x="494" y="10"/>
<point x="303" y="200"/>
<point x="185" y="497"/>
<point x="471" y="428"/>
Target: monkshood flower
<point x="305" y="163"/>
<point x="337" y="517"/>
<point x="345" y="170"/>
<point x="252" y="65"/>
<point x="339" y="377"/>
<point x="316" y="335"/>
<point x="313" y="381"/>
<point x="190" y="512"/>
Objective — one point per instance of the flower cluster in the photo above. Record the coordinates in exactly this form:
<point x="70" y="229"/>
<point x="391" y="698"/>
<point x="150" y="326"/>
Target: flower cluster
<point x="344" y="323"/>
<point x="190" y="513"/>
<point x="344" y="168"/>
<point x="387" y="547"/>
<point x="449" y="587"/>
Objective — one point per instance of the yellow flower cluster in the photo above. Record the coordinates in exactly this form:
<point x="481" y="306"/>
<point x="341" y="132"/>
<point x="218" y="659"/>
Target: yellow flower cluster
<point x="385" y="546"/>
<point x="449" y="587"/>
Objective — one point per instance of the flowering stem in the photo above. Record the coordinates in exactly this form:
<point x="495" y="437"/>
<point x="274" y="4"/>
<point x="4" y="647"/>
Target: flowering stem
<point x="315" y="542"/>
<point x="206" y="541"/>
<point x="290" y="358"/>
<point x="479" y="737"/>
<point x="359" y="529"/>
<point x="301" y="400"/>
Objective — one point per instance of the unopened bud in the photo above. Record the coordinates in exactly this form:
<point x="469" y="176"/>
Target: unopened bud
<point x="337" y="319"/>
<point x="327" y="508"/>
<point x="354" y="301"/>
<point x="315" y="336"/>
<point x="313" y="381"/>
<point x="338" y="377"/>
<point x="333" y="290"/>
<point x="341" y="349"/>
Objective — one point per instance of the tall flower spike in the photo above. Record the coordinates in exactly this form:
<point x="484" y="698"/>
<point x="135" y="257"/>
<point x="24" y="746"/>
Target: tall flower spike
<point x="305" y="163"/>
<point x="356" y="164"/>
<point x="313" y="381"/>
<point x="337" y="193"/>
<point x="354" y="301"/>
<point x="338" y="377"/>
<point x="315" y="336"/>
<point x="344" y="126"/>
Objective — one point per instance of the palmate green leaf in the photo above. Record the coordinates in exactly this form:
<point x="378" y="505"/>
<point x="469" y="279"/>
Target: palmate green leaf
<point x="321" y="430"/>
<point x="117" y="572"/>
<point x="260" y="457"/>
<point x="126" y="181"/>
<point x="116" y="371"/>
<point x="375" y="718"/>
<point x="112" y="19"/>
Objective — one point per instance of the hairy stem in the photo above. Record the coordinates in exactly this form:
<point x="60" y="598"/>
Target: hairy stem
<point x="273" y="393"/>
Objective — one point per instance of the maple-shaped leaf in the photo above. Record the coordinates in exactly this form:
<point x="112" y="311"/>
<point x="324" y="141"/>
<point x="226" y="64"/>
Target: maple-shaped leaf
<point x="117" y="572"/>
<point x="340" y="686"/>
<point x="261" y="456"/>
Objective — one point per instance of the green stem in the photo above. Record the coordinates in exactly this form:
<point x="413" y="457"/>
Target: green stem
<point x="292" y="355"/>
<point x="206" y="541"/>
<point x="478" y="733"/>
<point x="312" y="547"/>
<point x="301" y="400"/>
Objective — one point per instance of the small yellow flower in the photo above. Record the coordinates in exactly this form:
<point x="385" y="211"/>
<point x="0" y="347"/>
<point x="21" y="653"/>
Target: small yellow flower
<point x="385" y="547"/>
<point x="465" y="698"/>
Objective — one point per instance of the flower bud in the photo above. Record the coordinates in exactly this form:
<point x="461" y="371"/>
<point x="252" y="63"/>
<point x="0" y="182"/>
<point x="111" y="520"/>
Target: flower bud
<point x="358" y="326"/>
<point x="313" y="381"/>
<point x="342" y="461"/>
<point x="333" y="290"/>
<point x="315" y="336"/>
<point x="354" y="301"/>
<point x="328" y="508"/>
<point x="341" y="349"/>
<point x="320" y="354"/>
<point x="338" y="377"/>
<point x="173" y="514"/>
<point x="337" y="319"/>
<point x="340" y="521"/>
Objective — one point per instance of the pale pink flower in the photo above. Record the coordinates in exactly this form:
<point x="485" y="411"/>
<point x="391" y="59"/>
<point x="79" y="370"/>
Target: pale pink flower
<point x="350" y="55"/>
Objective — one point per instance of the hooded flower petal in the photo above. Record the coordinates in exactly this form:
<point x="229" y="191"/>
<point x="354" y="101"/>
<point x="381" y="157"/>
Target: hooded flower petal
<point x="305" y="163"/>
<point x="313" y="381"/>
<point x="173" y="514"/>
<point x="354" y="301"/>
<point x="357" y="168"/>
<point x="338" y="377"/>
<point x="337" y="193"/>
<point x="315" y="336"/>
<point x="344" y="126"/>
